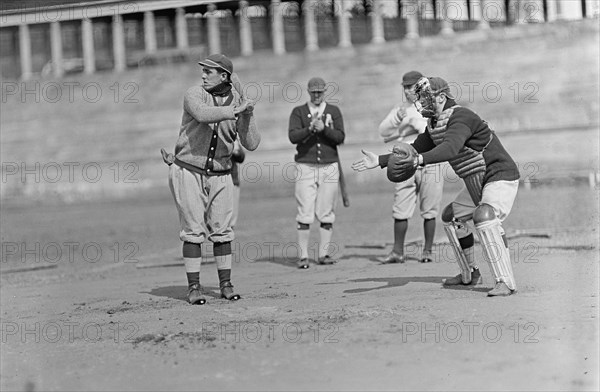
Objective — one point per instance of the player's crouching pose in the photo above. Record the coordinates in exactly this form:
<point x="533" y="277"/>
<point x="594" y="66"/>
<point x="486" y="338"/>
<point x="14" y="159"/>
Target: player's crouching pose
<point x="214" y="116"/>
<point x="491" y="179"/>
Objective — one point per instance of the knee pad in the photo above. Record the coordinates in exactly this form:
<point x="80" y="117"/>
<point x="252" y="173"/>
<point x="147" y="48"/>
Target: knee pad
<point x="484" y="213"/>
<point x="303" y="226"/>
<point x="327" y="226"/>
<point x="448" y="214"/>
<point x="467" y="242"/>
<point x="191" y="250"/>
<point x="222" y="248"/>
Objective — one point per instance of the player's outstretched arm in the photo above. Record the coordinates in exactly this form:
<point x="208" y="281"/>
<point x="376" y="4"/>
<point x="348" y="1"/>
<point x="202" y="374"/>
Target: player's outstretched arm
<point x="369" y="161"/>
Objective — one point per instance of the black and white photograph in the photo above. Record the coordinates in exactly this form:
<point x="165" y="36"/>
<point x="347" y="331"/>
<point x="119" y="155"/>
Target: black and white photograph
<point x="309" y="195"/>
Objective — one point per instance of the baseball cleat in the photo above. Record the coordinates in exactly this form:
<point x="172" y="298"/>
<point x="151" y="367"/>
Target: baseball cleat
<point x="194" y="295"/>
<point x="227" y="292"/>
<point x="500" y="290"/>
<point x="392" y="258"/>
<point x="303" y="263"/>
<point x="327" y="260"/>
<point x="426" y="257"/>
<point x="457" y="280"/>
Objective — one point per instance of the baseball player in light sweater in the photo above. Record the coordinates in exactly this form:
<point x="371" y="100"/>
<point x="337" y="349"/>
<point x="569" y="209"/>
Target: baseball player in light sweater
<point x="214" y="115"/>
<point x="402" y="124"/>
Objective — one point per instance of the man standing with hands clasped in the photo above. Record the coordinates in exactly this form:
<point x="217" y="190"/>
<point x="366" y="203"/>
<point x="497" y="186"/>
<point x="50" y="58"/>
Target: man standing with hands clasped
<point x="316" y="128"/>
<point x="215" y="115"/>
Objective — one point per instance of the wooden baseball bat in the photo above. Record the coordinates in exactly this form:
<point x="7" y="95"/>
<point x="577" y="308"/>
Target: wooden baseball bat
<point x="342" y="180"/>
<point x="343" y="188"/>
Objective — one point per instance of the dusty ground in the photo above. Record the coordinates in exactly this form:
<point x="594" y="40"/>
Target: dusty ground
<point x="87" y="302"/>
<point x="114" y="324"/>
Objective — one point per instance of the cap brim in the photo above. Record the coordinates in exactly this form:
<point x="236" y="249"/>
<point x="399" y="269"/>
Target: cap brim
<point x="448" y="95"/>
<point x="212" y="64"/>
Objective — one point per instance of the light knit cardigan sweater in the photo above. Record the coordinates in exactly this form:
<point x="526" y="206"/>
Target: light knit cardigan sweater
<point x="199" y="117"/>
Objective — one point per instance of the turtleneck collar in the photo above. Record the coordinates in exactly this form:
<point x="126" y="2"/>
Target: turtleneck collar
<point x="220" y="90"/>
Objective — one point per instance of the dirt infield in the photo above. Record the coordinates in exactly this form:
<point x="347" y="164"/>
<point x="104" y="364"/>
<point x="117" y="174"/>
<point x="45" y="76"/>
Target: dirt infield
<point x="110" y="324"/>
<point x="93" y="288"/>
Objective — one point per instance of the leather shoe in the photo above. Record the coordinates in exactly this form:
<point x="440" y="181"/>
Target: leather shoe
<point x="500" y="290"/>
<point x="392" y="258"/>
<point x="227" y="292"/>
<point x="194" y="295"/>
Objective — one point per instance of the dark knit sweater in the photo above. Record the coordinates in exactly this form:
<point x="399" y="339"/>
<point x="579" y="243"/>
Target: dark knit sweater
<point x="465" y="127"/>
<point x="316" y="147"/>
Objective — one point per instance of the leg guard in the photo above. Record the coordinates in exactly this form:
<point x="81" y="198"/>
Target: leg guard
<point x="490" y="233"/>
<point x="461" y="258"/>
<point x="450" y="225"/>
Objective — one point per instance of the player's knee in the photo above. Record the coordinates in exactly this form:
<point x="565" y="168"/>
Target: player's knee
<point x="303" y="226"/>
<point x="222" y="248"/>
<point x="327" y="226"/>
<point x="467" y="242"/>
<point x="191" y="250"/>
<point x="448" y="214"/>
<point x="484" y="213"/>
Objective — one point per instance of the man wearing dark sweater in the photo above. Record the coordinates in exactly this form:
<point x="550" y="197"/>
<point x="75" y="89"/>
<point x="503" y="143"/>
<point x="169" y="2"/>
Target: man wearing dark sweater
<point x="316" y="128"/>
<point x="458" y="135"/>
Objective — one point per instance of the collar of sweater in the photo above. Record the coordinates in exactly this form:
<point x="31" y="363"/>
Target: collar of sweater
<point x="319" y="109"/>
<point x="220" y="90"/>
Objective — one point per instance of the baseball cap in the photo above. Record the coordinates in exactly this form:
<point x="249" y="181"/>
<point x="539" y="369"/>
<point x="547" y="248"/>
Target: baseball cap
<point x="439" y="85"/>
<point x="316" y="84"/>
<point x="218" y="60"/>
<point x="411" y="78"/>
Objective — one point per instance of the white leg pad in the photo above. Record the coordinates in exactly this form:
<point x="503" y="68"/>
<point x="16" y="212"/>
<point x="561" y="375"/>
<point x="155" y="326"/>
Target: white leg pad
<point x="461" y="258"/>
<point x="496" y="251"/>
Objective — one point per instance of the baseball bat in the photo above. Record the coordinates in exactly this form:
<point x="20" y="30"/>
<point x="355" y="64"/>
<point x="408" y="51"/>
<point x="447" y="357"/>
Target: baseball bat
<point x="343" y="188"/>
<point x="237" y="84"/>
<point x="342" y="180"/>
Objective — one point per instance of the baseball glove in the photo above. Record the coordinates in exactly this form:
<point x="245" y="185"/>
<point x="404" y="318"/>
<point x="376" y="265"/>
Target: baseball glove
<point x="402" y="164"/>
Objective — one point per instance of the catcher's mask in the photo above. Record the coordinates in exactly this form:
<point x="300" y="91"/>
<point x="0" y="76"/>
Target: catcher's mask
<point x="425" y="102"/>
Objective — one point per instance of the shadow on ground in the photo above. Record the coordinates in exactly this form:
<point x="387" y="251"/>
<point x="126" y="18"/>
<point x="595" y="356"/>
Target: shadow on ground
<point x="376" y="258"/>
<point x="393" y="282"/>
<point x="180" y="292"/>
<point x="283" y="261"/>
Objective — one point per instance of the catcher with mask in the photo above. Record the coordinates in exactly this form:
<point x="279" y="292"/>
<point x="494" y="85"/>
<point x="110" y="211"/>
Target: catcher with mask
<point x="491" y="180"/>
